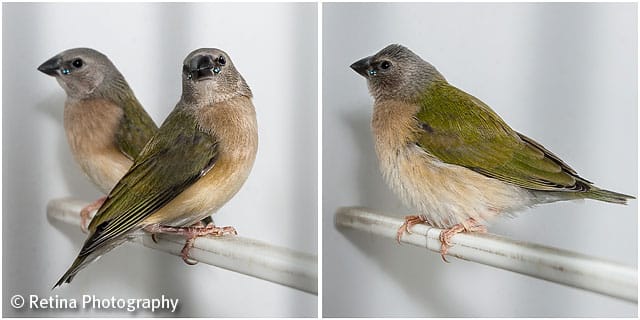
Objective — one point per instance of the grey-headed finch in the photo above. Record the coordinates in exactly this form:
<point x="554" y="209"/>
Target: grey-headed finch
<point x="198" y="160"/>
<point x="449" y="156"/>
<point x="106" y="126"/>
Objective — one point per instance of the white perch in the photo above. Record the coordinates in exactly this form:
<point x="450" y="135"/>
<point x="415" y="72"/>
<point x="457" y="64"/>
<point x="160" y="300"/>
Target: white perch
<point x="552" y="264"/>
<point x="247" y="256"/>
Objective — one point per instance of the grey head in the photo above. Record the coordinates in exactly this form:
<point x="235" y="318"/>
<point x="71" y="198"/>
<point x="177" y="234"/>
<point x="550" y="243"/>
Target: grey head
<point x="83" y="73"/>
<point x="209" y="76"/>
<point x="396" y="73"/>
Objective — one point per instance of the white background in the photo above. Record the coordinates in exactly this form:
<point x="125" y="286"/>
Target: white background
<point x="563" y="74"/>
<point x="274" y="46"/>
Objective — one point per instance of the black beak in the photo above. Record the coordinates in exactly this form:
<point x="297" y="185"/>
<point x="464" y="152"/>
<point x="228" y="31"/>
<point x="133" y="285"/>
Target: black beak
<point x="202" y="67"/>
<point x="50" y="66"/>
<point x="362" y="66"/>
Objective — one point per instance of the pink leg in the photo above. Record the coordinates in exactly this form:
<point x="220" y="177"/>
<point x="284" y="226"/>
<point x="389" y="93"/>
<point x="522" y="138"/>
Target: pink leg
<point x="197" y="224"/>
<point x="190" y="233"/>
<point x="445" y="235"/>
<point x="409" y="222"/>
<point x="85" y="216"/>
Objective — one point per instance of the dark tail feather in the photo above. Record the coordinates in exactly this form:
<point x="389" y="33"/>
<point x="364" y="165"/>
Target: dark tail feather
<point x="77" y="265"/>
<point x="609" y="196"/>
<point x="88" y="256"/>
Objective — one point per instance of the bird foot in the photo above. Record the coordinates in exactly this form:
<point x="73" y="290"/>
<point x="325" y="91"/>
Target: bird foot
<point x="409" y="222"/>
<point x="184" y="253"/>
<point x="190" y="233"/>
<point x="85" y="213"/>
<point x="155" y="239"/>
<point x="206" y="221"/>
<point x="470" y="225"/>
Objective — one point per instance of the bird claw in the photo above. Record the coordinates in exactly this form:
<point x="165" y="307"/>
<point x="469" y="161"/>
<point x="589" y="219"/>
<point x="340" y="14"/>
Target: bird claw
<point x="199" y="230"/>
<point x="447" y="234"/>
<point x="191" y="233"/>
<point x="225" y="230"/>
<point x="84" y="219"/>
<point x="189" y="262"/>
<point x="445" y="237"/>
<point x="409" y="222"/>
<point x="184" y="253"/>
<point x="85" y="213"/>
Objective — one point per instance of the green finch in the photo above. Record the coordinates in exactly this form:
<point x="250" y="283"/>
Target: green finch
<point x="195" y="163"/>
<point x="106" y="126"/>
<point x="448" y="155"/>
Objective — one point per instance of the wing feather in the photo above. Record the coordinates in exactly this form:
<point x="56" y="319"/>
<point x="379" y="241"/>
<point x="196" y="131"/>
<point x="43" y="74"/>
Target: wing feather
<point x="135" y="129"/>
<point x="466" y="132"/>
<point x="172" y="161"/>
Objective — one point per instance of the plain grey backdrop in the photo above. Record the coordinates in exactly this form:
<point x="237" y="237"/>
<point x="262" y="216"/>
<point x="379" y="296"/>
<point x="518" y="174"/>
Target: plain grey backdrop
<point x="563" y="74"/>
<point x="274" y="46"/>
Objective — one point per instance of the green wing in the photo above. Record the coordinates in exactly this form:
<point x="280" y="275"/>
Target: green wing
<point x="460" y="129"/>
<point x="135" y="129"/>
<point x="173" y="160"/>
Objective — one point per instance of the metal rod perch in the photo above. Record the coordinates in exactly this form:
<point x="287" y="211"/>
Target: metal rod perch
<point x="247" y="256"/>
<point x="552" y="264"/>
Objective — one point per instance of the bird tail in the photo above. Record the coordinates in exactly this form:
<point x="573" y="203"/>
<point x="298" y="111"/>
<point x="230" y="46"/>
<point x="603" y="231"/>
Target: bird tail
<point x="608" y="196"/>
<point x="88" y="256"/>
<point x="78" y="264"/>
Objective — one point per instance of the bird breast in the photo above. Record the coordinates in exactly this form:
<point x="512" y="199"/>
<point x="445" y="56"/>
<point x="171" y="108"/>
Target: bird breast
<point x="90" y="126"/>
<point x="233" y="123"/>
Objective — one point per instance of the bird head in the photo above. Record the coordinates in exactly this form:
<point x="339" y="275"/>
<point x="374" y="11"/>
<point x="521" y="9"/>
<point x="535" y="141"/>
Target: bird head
<point x="80" y="71"/>
<point x="209" y="73"/>
<point x="395" y="72"/>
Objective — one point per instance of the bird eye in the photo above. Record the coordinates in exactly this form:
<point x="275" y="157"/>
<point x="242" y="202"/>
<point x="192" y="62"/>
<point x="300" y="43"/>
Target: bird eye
<point x="221" y="60"/>
<point x="77" y="63"/>
<point x="385" y="65"/>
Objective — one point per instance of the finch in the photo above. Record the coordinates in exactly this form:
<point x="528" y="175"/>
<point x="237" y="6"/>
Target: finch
<point x="449" y="156"/>
<point x="106" y="126"/>
<point x="199" y="158"/>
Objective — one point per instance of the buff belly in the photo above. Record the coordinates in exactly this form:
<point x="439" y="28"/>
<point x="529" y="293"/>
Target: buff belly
<point x="447" y="194"/>
<point x="90" y="126"/>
